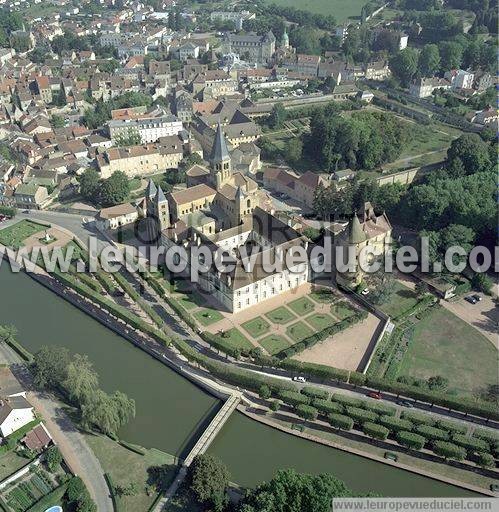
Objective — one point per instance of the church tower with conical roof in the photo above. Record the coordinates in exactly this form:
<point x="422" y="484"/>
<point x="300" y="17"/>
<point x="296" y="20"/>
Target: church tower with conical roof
<point x="220" y="160"/>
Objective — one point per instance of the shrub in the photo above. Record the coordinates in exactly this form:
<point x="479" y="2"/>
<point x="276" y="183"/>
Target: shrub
<point x="449" y="450"/>
<point x="326" y="407"/>
<point x="264" y="392"/>
<point x="470" y="443"/>
<point x="307" y="412"/>
<point x="380" y="408"/>
<point x="8" y="211"/>
<point x="410" y="440"/>
<point x="418" y="418"/>
<point x="360" y="415"/>
<point x="294" y="398"/>
<point x="347" y="400"/>
<point x="432" y="433"/>
<point x="486" y="435"/>
<point x="341" y="421"/>
<point x="395" y="424"/>
<point x="452" y="426"/>
<point x="315" y="392"/>
<point x="357" y="379"/>
<point x="485" y="460"/>
<point x="320" y="371"/>
<point x="374" y="430"/>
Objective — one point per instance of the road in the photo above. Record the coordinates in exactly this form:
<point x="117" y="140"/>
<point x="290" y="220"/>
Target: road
<point x="68" y="438"/>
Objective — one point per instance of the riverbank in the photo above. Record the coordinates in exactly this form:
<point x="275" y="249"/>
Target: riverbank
<point x="170" y="404"/>
<point x="326" y="439"/>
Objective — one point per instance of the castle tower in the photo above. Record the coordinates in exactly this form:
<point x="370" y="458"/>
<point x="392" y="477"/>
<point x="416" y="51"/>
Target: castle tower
<point x="353" y="243"/>
<point x="162" y="209"/>
<point x="220" y="160"/>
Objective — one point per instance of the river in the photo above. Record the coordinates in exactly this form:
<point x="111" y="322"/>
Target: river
<point x="171" y="410"/>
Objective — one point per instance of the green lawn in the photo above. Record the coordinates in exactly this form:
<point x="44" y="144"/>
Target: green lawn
<point x="273" y="343"/>
<point x="256" y="327"/>
<point x="443" y="344"/>
<point x="342" y="310"/>
<point x="299" y="331"/>
<point x="403" y="299"/>
<point x="190" y="300"/>
<point x="126" y="467"/>
<point x="340" y="9"/>
<point x="322" y="296"/>
<point x="280" y="315"/>
<point x="207" y="316"/>
<point x="319" y="321"/>
<point x="302" y="306"/>
<point x="14" y="236"/>
<point x="237" y="339"/>
<point x="10" y="462"/>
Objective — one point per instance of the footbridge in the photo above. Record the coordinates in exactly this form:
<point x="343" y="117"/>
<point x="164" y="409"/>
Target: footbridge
<point x="201" y="445"/>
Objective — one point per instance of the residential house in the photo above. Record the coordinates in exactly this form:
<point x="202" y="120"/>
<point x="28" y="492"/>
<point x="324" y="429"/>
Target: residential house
<point x="30" y="196"/>
<point x="15" y="413"/>
<point x="424" y="87"/>
<point x="116" y="216"/>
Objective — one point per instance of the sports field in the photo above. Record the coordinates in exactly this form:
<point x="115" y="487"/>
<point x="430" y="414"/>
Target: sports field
<point x="340" y="9"/>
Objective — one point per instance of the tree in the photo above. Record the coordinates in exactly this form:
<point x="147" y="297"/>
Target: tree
<point x="57" y="121"/>
<point x="429" y="60"/>
<point x="115" y="189"/>
<point x="209" y="479"/>
<point x="421" y="289"/>
<point x="404" y="65"/>
<point x="293" y="492"/>
<point x="264" y="392"/>
<point x="482" y="282"/>
<point x="438" y="383"/>
<point x="293" y="150"/>
<point x="76" y="489"/>
<point x="89" y="185"/>
<point x="49" y="367"/>
<point x="277" y="116"/>
<point x="82" y="380"/>
<point x="451" y="54"/>
<point x="471" y="152"/>
<point x="53" y="458"/>
<point x="383" y="287"/>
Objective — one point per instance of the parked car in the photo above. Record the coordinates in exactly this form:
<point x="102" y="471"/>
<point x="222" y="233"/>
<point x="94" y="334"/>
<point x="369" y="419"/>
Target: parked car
<point x="365" y="291"/>
<point x="471" y="299"/>
<point x="477" y="297"/>
<point x="299" y="379"/>
<point x="374" y="394"/>
<point x="406" y="403"/>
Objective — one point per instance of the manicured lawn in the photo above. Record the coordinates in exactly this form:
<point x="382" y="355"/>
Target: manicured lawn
<point x="302" y="306"/>
<point x="126" y="467"/>
<point x="256" y="327"/>
<point x="207" y="316"/>
<point x="402" y="300"/>
<point x="280" y="315"/>
<point x="319" y="321"/>
<point x="443" y="344"/>
<point x="273" y="343"/>
<point x="237" y="339"/>
<point x="189" y="300"/>
<point x="299" y="331"/>
<point x="340" y="9"/>
<point x="342" y="310"/>
<point x="10" y="462"/>
<point x="14" y="236"/>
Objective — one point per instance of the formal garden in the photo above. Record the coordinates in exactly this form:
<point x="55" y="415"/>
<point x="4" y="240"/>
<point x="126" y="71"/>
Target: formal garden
<point x="14" y="235"/>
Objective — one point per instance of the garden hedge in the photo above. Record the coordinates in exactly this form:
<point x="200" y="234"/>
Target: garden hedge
<point x="395" y="424"/>
<point x="316" y="370"/>
<point x="432" y="433"/>
<point x="375" y="431"/>
<point x="347" y="400"/>
<point x="341" y="421"/>
<point x="307" y="412"/>
<point x="315" y="393"/>
<point x="411" y="440"/>
<point x="485" y="460"/>
<point x="452" y="426"/>
<point x="471" y="444"/>
<point x="418" y="418"/>
<point x="327" y="407"/>
<point x="449" y="450"/>
<point x="294" y="398"/>
<point x="361" y="415"/>
<point x="387" y="410"/>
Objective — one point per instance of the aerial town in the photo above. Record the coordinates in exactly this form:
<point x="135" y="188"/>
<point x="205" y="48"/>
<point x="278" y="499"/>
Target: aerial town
<point x="248" y="255"/>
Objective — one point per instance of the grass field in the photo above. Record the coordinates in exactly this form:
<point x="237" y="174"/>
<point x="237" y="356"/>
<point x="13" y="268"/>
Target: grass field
<point x="10" y="462"/>
<point x="126" y="467"/>
<point x="14" y="236"/>
<point x="340" y="9"/>
<point x="299" y="331"/>
<point x="256" y="327"/>
<point x="280" y="315"/>
<point x="207" y="316"/>
<point x="237" y="339"/>
<point x="403" y="299"/>
<point x="319" y="321"/>
<point x="341" y="310"/>
<point x="274" y="343"/>
<point x="443" y="344"/>
<point x="301" y="306"/>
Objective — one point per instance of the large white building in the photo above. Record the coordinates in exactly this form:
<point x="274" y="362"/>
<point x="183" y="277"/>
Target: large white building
<point x="15" y="413"/>
<point x="150" y="125"/>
